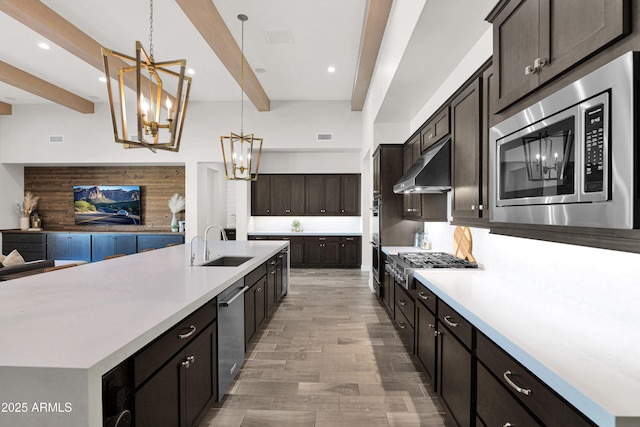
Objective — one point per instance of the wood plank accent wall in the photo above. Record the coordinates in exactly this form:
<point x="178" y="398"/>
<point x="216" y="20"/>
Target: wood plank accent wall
<point x="54" y="186"/>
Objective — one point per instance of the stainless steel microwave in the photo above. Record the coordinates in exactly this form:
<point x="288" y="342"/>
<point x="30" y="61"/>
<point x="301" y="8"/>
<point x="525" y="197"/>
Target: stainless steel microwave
<point x="569" y="159"/>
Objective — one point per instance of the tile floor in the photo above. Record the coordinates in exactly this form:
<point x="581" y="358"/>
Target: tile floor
<point x="328" y="356"/>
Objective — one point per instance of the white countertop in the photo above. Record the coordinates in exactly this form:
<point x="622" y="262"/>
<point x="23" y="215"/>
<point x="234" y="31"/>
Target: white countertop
<point x="589" y="359"/>
<point x="89" y="318"/>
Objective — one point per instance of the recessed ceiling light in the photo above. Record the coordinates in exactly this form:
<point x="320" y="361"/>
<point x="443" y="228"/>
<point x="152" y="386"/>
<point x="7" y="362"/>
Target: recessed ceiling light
<point x="260" y="70"/>
<point x="331" y="69"/>
<point x="103" y="79"/>
<point x="191" y="71"/>
<point x="43" y="45"/>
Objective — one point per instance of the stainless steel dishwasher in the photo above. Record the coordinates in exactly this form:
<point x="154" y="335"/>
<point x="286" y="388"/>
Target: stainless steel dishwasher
<point x="230" y="334"/>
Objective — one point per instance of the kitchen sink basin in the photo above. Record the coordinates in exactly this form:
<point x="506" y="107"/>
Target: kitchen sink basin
<point x="226" y="261"/>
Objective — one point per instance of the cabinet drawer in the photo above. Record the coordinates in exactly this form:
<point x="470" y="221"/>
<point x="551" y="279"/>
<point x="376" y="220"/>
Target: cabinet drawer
<point x="406" y="330"/>
<point x="153" y="356"/>
<point x="321" y="238"/>
<point x="426" y="297"/>
<point x="496" y="407"/>
<point x="457" y="324"/>
<point x="552" y="409"/>
<point x="405" y="303"/>
<point x="24" y="238"/>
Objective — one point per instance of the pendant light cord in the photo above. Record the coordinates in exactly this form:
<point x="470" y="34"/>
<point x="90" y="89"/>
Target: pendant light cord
<point x="151" y="28"/>
<point x="242" y="18"/>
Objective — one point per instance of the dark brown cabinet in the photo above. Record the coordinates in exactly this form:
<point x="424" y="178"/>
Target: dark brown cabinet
<point x="179" y="392"/>
<point x="426" y="333"/>
<point x="454" y="364"/>
<point x="311" y="195"/>
<point x="274" y="281"/>
<point x="287" y="195"/>
<point x="404" y="316"/>
<point x="321" y="251"/>
<point x="254" y="301"/>
<point x="435" y="129"/>
<point x="411" y="202"/>
<point x="350" y="251"/>
<point x="261" y="196"/>
<point x="524" y="388"/>
<point x="535" y="41"/>
<point x="466" y="152"/>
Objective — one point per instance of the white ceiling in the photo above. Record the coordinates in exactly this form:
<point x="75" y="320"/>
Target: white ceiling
<point x="315" y="34"/>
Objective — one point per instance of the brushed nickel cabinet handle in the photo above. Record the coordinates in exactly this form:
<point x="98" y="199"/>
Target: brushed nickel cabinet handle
<point x="423" y="295"/>
<point x="513" y="385"/>
<point x="508" y="424"/>
<point x="402" y="302"/>
<point x="432" y="326"/>
<point x="192" y="330"/>
<point x="401" y="325"/>
<point x="448" y="321"/>
<point x="185" y="364"/>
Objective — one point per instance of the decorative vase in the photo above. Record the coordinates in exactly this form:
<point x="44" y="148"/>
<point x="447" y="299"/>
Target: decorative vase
<point x="24" y="223"/>
<point x="174" y="223"/>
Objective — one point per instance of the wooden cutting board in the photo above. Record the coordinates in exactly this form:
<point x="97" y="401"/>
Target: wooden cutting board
<point x="462" y="243"/>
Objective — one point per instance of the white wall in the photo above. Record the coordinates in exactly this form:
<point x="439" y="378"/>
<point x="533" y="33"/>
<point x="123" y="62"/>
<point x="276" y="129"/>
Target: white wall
<point x="11" y="192"/>
<point x="289" y="132"/>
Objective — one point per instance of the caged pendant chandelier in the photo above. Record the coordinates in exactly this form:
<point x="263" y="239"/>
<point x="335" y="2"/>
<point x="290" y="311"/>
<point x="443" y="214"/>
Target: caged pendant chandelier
<point x="161" y="97"/>
<point x="239" y="151"/>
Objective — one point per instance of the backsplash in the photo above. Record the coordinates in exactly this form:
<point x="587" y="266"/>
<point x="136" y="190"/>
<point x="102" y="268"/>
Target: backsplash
<point x="603" y="280"/>
<point x="307" y="223"/>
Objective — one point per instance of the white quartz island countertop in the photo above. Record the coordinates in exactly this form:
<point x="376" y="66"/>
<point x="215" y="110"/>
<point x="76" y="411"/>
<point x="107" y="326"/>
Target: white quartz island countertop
<point x="61" y="331"/>
<point x="587" y="351"/>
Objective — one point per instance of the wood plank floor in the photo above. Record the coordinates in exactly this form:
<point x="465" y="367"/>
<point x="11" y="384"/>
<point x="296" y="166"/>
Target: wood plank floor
<point x="328" y="356"/>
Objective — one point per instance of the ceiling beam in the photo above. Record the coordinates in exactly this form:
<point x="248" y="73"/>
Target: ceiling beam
<point x="46" y="22"/>
<point x="35" y="85"/>
<point x="375" y="20"/>
<point x="5" y="109"/>
<point x="207" y="20"/>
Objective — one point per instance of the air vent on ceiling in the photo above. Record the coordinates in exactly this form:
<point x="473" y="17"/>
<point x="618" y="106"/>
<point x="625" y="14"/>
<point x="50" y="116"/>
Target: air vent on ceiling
<point x="324" y="137"/>
<point x="56" y="139"/>
<point x="278" y="37"/>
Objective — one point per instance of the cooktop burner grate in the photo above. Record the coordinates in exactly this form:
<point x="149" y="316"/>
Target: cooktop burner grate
<point x="435" y="260"/>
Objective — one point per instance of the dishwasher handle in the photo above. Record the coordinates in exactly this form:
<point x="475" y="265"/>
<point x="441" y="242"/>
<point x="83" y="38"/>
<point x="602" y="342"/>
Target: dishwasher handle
<point x="240" y="292"/>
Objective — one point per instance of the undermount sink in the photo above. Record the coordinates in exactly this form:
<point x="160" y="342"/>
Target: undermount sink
<point x="226" y="261"/>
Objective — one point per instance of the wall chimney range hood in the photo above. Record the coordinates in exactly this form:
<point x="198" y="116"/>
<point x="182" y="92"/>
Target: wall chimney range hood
<point x="431" y="173"/>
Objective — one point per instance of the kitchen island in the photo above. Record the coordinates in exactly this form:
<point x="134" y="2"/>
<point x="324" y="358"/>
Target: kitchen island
<point x="61" y="331"/>
<point x="584" y="349"/>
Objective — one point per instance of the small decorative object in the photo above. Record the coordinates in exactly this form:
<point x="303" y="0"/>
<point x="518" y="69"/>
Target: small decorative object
<point x="35" y="221"/>
<point x="296" y="225"/>
<point x="25" y="208"/>
<point x="176" y="204"/>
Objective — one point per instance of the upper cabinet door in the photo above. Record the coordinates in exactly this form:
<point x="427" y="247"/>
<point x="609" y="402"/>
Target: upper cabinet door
<point x="535" y="41"/>
<point x="332" y="195"/>
<point x="315" y="195"/>
<point x="261" y="196"/>
<point x="516" y="43"/>
<point x="350" y="195"/>
<point x="570" y="30"/>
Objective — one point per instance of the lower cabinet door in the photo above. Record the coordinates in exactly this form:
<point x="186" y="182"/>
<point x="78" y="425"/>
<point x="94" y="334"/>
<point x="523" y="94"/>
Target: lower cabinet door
<point x="271" y="287"/>
<point x="180" y="391"/>
<point x="426" y="347"/>
<point x="496" y="407"/>
<point x="201" y="384"/>
<point x="454" y="373"/>
<point x="249" y="314"/>
<point x="157" y="403"/>
<point x="260" y="301"/>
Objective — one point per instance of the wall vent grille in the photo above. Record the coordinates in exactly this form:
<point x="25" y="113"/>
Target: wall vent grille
<point x="324" y="137"/>
<point x="56" y="139"/>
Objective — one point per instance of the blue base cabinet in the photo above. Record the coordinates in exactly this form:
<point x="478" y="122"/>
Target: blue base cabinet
<point x="69" y="246"/>
<point x="104" y="245"/>
<point x="157" y="241"/>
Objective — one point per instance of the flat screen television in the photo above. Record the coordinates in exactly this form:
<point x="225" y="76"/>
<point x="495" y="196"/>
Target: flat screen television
<point x="106" y="204"/>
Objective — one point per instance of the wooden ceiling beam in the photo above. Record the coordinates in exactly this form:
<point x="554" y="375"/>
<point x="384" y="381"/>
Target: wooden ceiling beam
<point x="35" y="85"/>
<point x="5" y="109"/>
<point x="207" y="20"/>
<point x="375" y="21"/>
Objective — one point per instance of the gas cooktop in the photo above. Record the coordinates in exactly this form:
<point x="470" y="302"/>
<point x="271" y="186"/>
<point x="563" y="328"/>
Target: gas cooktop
<point x="434" y="260"/>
